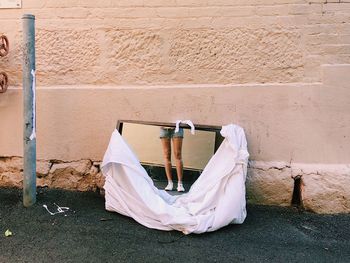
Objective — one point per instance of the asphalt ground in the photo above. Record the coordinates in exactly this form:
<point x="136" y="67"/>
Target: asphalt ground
<point x="88" y="233"/>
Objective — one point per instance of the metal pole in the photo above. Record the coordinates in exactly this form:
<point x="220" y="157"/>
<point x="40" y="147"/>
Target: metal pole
<point x="29" y="128"/>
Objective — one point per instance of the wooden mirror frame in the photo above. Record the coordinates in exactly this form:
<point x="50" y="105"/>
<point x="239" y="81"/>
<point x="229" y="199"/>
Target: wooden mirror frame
<point x="200" y="127"/>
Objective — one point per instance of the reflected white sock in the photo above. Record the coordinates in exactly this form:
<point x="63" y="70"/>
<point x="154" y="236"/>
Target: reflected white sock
<point x="170" y="185"/>
<point x="180" y="187"/>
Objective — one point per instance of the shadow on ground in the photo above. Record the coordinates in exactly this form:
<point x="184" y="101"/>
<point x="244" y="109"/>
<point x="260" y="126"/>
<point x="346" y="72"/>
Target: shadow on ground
<point x="88" y="233"/>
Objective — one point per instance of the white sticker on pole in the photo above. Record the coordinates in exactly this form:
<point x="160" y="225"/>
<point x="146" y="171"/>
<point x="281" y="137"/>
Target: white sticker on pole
<point x="33" y="135"/>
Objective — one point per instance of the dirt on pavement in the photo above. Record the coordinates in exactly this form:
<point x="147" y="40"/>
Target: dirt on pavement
<point x="88" y="233"/>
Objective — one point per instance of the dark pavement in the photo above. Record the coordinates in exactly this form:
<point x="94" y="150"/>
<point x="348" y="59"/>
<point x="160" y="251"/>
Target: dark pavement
<point x="91" y="234"/>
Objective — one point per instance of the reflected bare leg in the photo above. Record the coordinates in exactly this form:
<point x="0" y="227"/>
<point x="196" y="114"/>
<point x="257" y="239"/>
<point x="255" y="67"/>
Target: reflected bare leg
<point x="166" y="145"/>
<point x="177" y="141"/>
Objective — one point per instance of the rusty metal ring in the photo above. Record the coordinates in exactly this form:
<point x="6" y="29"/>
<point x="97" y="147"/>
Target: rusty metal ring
<point x="3" y="82"/>
<point x="4" y="46"/>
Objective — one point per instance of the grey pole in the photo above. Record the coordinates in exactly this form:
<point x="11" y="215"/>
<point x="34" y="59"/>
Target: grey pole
<point x="29" y="128"/>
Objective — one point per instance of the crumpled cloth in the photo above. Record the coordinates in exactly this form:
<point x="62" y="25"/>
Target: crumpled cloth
<point x="216" y="199"/>
<point x="188" y="122"/>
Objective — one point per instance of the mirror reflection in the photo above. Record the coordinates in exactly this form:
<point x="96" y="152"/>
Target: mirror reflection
<point x="174" y="159"/>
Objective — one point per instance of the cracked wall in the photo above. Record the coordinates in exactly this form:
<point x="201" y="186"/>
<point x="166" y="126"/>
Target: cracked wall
<point x="323" y="188"/>
<point x="270" y="183"/>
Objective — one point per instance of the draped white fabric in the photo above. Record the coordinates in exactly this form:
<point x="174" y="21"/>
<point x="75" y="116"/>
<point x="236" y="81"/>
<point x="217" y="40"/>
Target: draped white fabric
<point x="216" y="199"/>
<point x="188" y="122"/>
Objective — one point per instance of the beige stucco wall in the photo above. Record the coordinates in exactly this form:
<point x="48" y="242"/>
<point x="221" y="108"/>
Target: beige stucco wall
<point x="176" y="42"/>
<point x="278" y="68"/>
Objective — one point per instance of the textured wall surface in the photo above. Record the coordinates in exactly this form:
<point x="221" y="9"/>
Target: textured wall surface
<point x="278" y="68"/>
<point x="236" y="55"/>
<point x="177" y="42"/>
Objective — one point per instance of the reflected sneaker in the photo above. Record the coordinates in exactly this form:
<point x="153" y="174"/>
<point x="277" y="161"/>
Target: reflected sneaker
<point x="180" y="188"/>
<point x="169" y="187"/>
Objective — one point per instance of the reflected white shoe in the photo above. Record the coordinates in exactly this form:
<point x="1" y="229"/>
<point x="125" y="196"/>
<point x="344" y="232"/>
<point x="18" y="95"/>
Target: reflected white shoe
<point x="180" y="188"/>
<point x="169" y="187"/>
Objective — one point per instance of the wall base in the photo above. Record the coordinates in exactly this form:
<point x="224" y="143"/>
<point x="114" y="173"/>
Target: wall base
<point x="323" y="188"/>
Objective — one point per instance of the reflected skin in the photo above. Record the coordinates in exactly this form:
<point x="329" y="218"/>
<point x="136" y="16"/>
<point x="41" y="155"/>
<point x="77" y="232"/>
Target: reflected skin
<point x="177" y="147"/>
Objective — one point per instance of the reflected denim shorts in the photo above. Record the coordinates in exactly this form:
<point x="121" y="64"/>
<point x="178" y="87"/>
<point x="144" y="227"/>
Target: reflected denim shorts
<point x="166" y="132"/>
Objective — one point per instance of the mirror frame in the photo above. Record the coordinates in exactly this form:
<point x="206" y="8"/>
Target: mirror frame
<point x="200" y="127"/>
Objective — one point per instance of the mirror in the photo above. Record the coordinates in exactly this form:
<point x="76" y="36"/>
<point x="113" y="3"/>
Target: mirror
<point x="169" y="154"/>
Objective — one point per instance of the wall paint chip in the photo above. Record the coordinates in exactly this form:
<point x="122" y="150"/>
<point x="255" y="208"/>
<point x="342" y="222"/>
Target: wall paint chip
<point x="10" y="3"/>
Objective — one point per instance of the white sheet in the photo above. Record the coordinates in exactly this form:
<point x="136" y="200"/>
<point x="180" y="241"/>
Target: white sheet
<point x="215" y="200"/>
